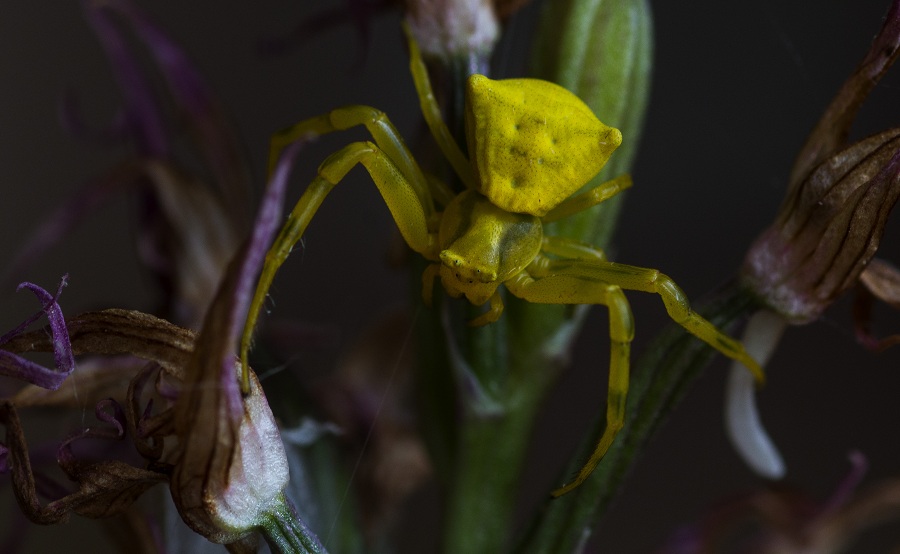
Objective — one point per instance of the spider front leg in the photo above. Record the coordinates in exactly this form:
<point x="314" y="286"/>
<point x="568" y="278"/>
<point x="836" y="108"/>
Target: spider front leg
<point x="379" y="126"/>
<point x="677" y="306"/>
<point x="595" y="281"/>
<point x="402" y="197"/>
<point x="565" y="289"/>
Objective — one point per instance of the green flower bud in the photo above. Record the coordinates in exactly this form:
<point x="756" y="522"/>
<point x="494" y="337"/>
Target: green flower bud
<point x="602" y="52"/>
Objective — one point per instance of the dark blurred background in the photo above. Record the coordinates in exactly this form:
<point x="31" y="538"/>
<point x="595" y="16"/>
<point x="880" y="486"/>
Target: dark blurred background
<point x="736" y="87"/>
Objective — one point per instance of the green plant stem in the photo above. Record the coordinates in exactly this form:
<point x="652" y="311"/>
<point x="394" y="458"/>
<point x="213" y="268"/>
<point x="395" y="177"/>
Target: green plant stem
<point x="515" y="372"/>
<point x="285" y="532"/>
<point x="659" y="381"/>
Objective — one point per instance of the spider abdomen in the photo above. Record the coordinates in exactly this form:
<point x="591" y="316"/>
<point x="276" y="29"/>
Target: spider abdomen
<point x="532" y="143"/>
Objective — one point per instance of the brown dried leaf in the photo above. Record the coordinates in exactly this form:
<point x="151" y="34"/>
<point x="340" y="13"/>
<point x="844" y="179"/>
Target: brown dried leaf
<point x="96" y="379"/>
<point x="200" y="238"/>
<point x="115" y="332"/>
<point x="108" y="488"/>
<point x="830" y="133"/>
<point x="104" y="488"/>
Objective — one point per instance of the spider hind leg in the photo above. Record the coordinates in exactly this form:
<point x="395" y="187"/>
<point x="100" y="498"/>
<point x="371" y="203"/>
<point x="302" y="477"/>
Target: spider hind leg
<point x="565" y="289"/>
<point x="587" y="279"/>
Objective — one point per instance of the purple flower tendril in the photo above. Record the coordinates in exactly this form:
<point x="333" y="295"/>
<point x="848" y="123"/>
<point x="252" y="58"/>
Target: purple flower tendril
<point x="106" y="411"/>
<point x="142" y="112"/>
<point x="65" y="217"/>
<point x="144" y="424"/>
<point x="111" y="412"/>
<point x="268" y="219"/>
<point x="13" y="365"/>
<point x="42" y="295"/>
<point x="197" y="106"/>
<point x="859" y="466"/>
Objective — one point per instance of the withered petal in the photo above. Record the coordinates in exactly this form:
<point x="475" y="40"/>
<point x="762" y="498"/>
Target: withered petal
<point x="200" y="240"/>
<point x="881" y="281"/>
<point x="114" y="332"/>
<point x="108" y="488"/>
<point x="828" y="231"/>
<point x="141" y="106"/>
<point x="98" y="378"/>
<point x="148" y="431"/>
<point x="213" y="135"/>
<point x="104" y="488"/>
<point x="231" y="466"/>
<point x="831" y="131"/>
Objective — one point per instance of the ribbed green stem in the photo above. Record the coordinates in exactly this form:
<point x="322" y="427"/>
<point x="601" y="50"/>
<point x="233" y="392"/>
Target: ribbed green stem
<point x="514" y="372"/>
<point x="285" y="532"/>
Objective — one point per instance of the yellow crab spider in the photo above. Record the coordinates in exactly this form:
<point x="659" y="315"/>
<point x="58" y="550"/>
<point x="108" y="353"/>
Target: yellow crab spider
<point x="532" y="144"/>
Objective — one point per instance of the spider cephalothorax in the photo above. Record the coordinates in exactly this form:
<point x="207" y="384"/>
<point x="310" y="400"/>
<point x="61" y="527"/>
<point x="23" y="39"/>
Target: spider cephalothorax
<point x="532" y="145"/>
